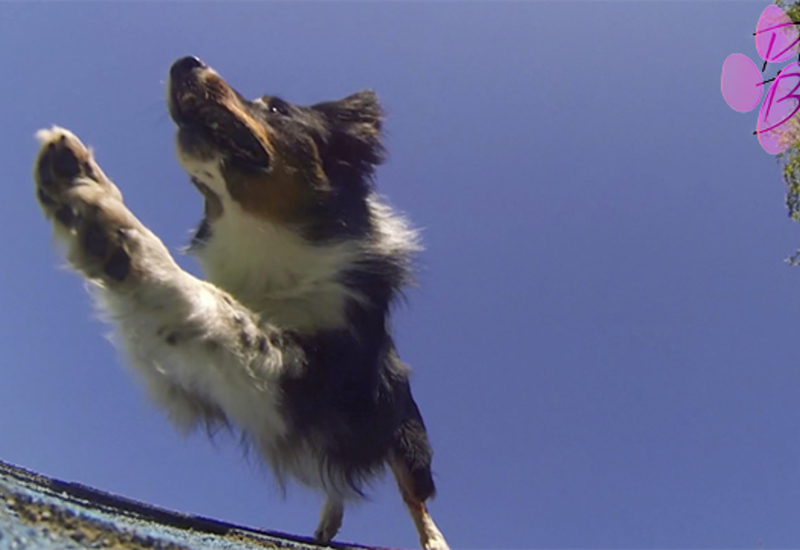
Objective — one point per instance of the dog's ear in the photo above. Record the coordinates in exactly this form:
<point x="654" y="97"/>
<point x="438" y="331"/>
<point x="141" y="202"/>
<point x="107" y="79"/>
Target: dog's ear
<point x="354" y="123"/>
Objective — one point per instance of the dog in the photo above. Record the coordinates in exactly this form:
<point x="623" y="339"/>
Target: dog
<point x="288" y="340"/>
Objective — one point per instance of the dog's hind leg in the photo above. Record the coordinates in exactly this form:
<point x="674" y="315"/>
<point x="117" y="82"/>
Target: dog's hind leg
<point x="330" y="519"/>
<point x="410" y="461"/>
<point x="429" y="535"/>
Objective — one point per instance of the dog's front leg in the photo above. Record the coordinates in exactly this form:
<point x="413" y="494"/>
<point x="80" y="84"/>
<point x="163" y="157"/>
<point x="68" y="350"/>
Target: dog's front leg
<point x="204" y="356"/>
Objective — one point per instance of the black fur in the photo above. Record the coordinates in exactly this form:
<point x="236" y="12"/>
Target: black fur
<point x="352" y="387"/>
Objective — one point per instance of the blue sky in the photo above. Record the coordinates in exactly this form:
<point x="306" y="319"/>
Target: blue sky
<point x="605" y="334"/>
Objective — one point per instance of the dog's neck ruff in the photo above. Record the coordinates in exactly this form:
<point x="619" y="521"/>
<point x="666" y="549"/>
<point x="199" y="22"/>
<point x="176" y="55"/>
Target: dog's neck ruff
<point x="271" y="269"/>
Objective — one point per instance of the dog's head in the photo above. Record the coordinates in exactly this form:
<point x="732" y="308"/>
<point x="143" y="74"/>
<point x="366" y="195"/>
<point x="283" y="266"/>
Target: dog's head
<point x="304" y="167"/>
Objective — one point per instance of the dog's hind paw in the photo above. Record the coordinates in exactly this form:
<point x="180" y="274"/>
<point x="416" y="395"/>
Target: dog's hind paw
<point x="330" y="520"/>
<point x="85" y="207"/>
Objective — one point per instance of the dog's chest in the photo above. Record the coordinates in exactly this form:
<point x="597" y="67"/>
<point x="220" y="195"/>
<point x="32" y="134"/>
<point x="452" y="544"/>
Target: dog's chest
<point x="288" y="281"/>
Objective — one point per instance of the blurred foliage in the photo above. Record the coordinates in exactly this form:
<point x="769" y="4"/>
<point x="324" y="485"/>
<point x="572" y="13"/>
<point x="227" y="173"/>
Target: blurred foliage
<point x="790" y="158"/>
<point x="792" y="9"/>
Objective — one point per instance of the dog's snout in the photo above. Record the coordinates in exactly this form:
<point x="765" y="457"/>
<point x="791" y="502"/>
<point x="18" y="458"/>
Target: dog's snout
<point x="184" y="66"/>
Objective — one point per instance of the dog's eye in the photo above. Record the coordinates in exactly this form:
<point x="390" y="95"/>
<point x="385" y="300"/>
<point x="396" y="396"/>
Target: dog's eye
<point x="279" y="106"/>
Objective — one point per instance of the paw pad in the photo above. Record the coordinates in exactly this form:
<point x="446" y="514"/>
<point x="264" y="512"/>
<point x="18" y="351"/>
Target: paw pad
<point x="65" y="162"/>
<point x="62" y="157"/>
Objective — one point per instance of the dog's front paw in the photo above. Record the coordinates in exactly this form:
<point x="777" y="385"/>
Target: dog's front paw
<point x="84" y="206"/>
<point x="64" y="162"/>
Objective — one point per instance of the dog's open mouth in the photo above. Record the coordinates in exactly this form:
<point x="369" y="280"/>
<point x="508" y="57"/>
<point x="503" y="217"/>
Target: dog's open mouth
<point x="212" y="117"/>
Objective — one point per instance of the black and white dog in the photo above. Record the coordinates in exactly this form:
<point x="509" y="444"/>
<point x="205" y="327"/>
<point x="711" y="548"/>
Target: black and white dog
<point x="288" y="341"/>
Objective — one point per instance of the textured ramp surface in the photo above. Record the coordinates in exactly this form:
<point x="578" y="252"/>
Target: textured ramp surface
<point x="44" y="513"/>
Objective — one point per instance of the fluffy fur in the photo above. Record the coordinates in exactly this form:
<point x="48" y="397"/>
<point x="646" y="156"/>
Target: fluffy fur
<point x="288" y="339"/>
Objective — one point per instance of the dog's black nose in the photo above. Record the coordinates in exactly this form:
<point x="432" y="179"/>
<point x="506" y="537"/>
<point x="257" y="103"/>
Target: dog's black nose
<point x="184" y="66"/>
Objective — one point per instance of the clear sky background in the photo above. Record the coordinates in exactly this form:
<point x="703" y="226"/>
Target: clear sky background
<point x="605" y="339"/>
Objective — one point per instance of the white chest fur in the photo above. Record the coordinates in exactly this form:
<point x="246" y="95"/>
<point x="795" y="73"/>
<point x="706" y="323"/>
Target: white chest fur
<point x="269" y="268"/>
<point x="274" y="272"/>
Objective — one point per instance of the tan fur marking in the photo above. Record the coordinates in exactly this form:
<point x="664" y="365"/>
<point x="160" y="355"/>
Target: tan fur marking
<point x="277" y="196"/>
<point x="429" y="535"/>
<point x="228" y="99"/>
<point x="281" y="194"/>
